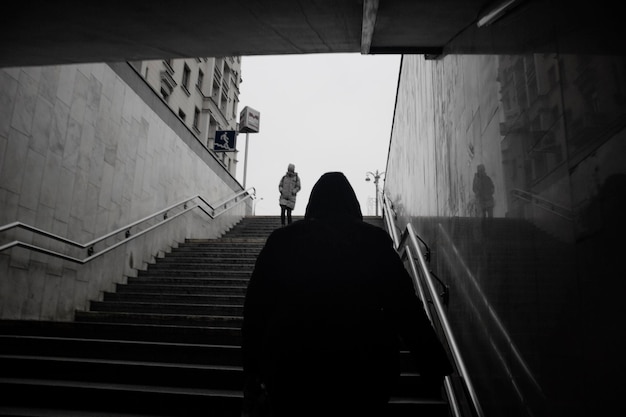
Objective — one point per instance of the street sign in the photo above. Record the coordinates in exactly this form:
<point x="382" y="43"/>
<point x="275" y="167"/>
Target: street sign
<point x="249" y="120"/>
<point x="225" y="141"/>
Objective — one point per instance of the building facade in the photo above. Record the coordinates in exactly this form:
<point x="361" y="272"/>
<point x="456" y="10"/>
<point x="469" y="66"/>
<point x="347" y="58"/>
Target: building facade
<point x="202" y="92"/>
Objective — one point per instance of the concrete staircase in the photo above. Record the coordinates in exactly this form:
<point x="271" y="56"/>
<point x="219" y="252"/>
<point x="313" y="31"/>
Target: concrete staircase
<point x="167" y="343"/>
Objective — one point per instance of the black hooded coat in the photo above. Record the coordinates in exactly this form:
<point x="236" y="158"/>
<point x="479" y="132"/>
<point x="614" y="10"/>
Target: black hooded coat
<point x="326" y="308"/>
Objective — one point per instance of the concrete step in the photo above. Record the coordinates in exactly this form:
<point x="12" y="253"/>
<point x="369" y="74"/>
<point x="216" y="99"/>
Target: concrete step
<point x="251" y="242"/>
<point x="98" y="370"/>
<point x="147" y="373"/>
<point x="218" y="259"/>
<point x="215" y="251"/>
<point x="119" y="398"/>
<point x="141" y="332"/>
<point x="176" y="288"/>
<point x="415" y="406"/>
<point x="47" y="357"/>
<point x="191" y="278"/>
<point x="46" y="412"/>
<point x="207" y="274"/>
<point x="121" y="350"/>
<point x="181" y="320"/>
<point x="167" y="308"/>
<point x="200" y="264"/>
<point x="224" y="243"/>
<point x="160" y="297"/>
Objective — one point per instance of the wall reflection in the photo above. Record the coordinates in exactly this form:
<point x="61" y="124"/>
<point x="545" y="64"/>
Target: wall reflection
<point x="512" y="168"/>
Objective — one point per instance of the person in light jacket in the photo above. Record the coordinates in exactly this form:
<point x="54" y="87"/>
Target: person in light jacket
<point x="328" y="306"/>
<point x="288" y="187"/>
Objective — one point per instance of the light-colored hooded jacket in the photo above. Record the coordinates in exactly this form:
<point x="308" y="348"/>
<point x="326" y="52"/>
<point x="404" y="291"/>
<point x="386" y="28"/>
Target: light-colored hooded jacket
<point x="289" y="186"/>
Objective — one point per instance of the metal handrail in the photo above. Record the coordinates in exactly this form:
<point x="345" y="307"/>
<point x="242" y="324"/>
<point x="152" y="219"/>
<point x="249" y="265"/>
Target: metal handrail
<point x="389" y="219"/>
<point x="224" y="205"/>
<point x="409" y="242"/>
<point x="543" y="203"/>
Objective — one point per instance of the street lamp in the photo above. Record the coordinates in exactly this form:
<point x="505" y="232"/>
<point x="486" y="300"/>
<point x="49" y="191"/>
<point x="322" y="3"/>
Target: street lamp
<point x="256" y="200"/>
<point x="376" y="175"/>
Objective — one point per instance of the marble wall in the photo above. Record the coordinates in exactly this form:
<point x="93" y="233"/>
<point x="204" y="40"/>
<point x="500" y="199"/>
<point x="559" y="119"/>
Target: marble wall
<point x="533" y="255"/>
<point x="85" y="150"/>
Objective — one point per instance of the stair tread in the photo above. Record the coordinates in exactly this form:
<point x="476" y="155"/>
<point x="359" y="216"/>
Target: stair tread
<point x="104" y="313"/>
<point x="124" y="362"/>
<point x="158" y="302"/>
<point x="147" y="343"/>
<point x="417" y="400"/>
<point x="43" y="412"/>
<point x="120" y="386"/>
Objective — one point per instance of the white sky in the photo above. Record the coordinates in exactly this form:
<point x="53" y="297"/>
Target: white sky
<point x="321" y="112"/>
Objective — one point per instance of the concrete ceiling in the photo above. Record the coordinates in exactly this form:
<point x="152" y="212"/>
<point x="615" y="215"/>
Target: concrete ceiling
<point x="59" y="32"/>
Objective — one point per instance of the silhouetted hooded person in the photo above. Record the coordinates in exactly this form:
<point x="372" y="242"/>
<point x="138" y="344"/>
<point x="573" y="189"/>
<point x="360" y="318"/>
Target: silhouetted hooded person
<point x="327" y="306"/>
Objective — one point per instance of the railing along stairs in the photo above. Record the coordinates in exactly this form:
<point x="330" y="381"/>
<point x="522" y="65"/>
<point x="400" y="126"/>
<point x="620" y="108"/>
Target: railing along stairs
<point x="543" y="203"/>
<point x="462" y="397"/>
<point x="130" y="231"/>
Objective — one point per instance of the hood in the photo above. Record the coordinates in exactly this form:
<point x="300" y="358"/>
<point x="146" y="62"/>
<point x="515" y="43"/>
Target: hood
<point x="332" y="197"/>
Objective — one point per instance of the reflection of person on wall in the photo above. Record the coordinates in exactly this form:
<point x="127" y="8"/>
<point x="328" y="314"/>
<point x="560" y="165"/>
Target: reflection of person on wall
<point x="483" y="190"/>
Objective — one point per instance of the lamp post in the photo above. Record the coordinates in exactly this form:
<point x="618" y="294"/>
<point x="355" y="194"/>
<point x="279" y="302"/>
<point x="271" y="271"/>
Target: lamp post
<point x="256" y="201"/>
<point x="376" y="175"/>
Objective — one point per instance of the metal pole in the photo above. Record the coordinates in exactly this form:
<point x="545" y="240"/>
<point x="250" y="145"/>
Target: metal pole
<point x="245" y="163"/>
<point x="376" y="196"/>
<point x="376" y="176"/>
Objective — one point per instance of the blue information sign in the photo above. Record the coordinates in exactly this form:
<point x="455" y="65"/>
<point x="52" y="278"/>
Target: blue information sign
<point x="225" y="141"/>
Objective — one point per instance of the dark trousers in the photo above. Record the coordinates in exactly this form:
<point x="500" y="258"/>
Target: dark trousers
<point x="285" y="210"/>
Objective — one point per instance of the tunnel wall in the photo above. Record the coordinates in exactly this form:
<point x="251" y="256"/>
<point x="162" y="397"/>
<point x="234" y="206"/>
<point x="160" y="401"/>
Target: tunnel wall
<point x="85" y="150"/>
<point x="535" y="270"/>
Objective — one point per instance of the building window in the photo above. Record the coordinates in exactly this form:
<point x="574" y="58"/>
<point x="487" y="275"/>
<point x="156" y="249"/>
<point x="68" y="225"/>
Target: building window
<point x="196" y="118"/>
<point x="225" y="86"/>
<point x="211" y="133"/>
<point x="215" y="94"/>
<point x="167" y="80"/>
<point x="186" y="76"/>
<point x="181" y="114"/>
<point x="217" y="69"/>
<point x="200" y="79"/>
<point x="223" y="103"/>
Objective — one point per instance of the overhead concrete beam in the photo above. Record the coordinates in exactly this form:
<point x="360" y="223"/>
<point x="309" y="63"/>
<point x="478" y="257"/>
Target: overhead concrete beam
<point x="370" y="10"/>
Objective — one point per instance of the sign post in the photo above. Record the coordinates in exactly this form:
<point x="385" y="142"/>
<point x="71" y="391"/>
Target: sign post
<point x="249" y="122"/>
<point x="245" y="162"/>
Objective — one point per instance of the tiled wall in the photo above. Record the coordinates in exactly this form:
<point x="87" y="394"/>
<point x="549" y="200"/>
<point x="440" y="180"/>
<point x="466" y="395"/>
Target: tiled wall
<point x="536" y="290"/>
<point x="85" y="150"/>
